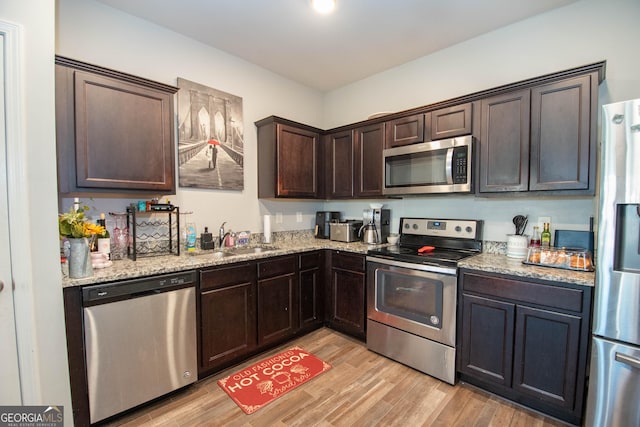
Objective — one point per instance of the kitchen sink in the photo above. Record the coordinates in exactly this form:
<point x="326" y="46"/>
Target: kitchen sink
<point x="242" y="250"/>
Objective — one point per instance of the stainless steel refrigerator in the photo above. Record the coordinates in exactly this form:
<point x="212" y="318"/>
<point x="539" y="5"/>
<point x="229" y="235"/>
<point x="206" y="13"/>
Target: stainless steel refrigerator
<point x="614" y="384"/>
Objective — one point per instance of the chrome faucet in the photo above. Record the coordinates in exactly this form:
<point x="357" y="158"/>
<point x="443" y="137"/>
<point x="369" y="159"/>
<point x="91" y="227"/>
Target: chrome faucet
<point x="221" y="235"/>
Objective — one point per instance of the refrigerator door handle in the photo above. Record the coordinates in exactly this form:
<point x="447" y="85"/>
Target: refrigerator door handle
<point x="628" y="360"/>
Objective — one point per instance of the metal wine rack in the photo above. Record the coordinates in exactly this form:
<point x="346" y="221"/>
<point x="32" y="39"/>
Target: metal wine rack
<point x="153" y="233"/>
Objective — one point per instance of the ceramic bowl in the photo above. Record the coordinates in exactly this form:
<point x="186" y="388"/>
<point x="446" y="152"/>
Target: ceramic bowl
<point x="393" y="239"/>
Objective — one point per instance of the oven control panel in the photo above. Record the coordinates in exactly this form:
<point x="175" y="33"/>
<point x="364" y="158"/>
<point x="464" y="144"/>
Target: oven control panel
<point x="463" y="229"/>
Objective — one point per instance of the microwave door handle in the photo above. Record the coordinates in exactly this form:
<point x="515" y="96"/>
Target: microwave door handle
<point x="449" y="166"/>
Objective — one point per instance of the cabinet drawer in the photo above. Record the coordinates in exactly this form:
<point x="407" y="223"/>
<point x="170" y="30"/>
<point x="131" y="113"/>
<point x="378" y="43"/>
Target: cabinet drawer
<point x="348" y="261"/>
<point x="224" y="276"/>
<point x="527" y="292"/>
<point x="277" y="267"/>
<point x="310" y="260"/>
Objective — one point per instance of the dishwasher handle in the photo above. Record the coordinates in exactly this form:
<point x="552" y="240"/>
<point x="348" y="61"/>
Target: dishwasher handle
<point x="136" y="288"/>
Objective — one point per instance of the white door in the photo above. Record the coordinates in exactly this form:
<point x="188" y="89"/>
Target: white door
<point x="9" y="372"/>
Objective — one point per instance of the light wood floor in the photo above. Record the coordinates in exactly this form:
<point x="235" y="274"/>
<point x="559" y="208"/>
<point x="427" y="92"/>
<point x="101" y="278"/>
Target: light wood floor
<point x="361" y="389"/>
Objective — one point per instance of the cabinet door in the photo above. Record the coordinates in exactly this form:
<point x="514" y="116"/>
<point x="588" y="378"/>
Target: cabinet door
<point x="228" y="324"/>
<point x="347" y="312"/>
<point x="123" y="135"/>
<point x="487" y="339"/>
<point x="404" y="131"/>
<point x="297" y="156"/>
<point x="449" y="122"/>
<point x="561" y="135"/>
<point x="341" y="164"/>
<point x="546" y="355"/>
<point x="368" y="170"/>
<point x="277" y="308"/>
<point x="311" y="290"/>
<point x="504" y="143"/>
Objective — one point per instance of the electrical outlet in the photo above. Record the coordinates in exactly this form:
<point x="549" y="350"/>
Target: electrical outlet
<point x="298" y="216"/>
<point x="278" y="217"/>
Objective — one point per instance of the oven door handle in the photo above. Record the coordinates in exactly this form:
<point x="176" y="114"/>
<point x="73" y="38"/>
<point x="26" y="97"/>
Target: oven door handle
<point x="450" y="271"/>
<point x="449" y="166"/>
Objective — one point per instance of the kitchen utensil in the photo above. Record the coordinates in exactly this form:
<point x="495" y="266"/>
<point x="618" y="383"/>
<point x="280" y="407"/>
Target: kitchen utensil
<point x="520" y="222"/>
<point x="426" y="249"/>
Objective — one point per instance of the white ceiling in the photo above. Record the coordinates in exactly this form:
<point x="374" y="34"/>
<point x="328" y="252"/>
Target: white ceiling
<point x="359" y="39"/>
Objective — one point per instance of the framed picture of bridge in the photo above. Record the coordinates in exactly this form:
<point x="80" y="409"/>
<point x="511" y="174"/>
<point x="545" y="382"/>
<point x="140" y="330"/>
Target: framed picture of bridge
<point x="210" y="138"/>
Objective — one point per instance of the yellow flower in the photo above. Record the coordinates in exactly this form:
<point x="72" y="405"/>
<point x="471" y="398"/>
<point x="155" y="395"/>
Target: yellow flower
<point x="91" y="229"/>
<point x="74" y="224"/>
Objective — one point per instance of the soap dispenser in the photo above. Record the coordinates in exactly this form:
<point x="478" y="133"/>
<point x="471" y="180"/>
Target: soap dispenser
<point x="206" y="239"/>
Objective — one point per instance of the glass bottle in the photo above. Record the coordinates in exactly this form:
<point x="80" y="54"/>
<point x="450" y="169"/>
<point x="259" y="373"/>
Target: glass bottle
<point x="545" y="237"/>
<point x="535" y="237"/>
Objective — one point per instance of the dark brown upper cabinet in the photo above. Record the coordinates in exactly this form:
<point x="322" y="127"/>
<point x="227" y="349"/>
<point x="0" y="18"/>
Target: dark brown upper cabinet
<point x="540" y="139"/>
<point x="114" y="131"/>
<point x="405" y="131"/>
<point x="288" y="159"/>
<point x="449" y="122"/>
<point x="562" y="153"/>
<point x="504" y="142"/>
<point x="438" y="124"/>
<point x="369" y="143"/>
<point x="533" y="136"/>
<point x="354" y="162"/>
<point x="340" y="162"/>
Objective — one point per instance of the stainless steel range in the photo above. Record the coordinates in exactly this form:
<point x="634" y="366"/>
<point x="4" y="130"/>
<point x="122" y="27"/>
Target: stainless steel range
<point x="411" y="293"/>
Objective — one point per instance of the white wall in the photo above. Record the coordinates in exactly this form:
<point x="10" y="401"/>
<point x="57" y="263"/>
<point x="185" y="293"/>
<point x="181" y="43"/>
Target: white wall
<point x="92" y="32"/>
<point x="580" y="33"/>
<point x="34" y="237"/>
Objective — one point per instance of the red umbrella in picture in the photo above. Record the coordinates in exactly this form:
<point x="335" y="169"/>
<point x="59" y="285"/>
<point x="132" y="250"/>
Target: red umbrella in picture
<point x="214" y="142"/>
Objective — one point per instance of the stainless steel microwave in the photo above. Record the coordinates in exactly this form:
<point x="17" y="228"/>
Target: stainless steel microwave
<point x="442" y="166"/>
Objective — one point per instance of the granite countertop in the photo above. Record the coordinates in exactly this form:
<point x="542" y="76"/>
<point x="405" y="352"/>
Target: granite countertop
<point x="495" y="263"/>
<point x="147" y="266"/>
<point x="301" y="242"/>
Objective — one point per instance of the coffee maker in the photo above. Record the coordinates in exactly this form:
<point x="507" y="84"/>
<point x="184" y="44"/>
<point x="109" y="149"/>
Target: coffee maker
<point x="376" y="225"/>
<point x="323" y="219"/>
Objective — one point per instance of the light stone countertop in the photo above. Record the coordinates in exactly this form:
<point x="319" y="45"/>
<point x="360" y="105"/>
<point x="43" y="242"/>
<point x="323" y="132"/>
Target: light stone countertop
<point x="497" y="263"/>
<point x="154" y="265"/>
<point x="297" y="242"/>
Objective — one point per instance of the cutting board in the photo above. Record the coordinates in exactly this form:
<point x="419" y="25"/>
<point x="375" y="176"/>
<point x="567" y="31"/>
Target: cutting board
<point x="574" y="239"/>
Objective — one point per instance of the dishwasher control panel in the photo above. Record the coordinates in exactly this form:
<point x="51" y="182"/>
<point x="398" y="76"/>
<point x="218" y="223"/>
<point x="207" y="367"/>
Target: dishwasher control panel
<point x="108" y="292"/>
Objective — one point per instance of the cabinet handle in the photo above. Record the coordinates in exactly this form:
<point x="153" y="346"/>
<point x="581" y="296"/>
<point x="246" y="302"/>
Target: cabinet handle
<point x="628" y="360"/>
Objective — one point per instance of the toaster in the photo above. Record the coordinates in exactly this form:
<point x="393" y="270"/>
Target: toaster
<point x="345" y="231"/>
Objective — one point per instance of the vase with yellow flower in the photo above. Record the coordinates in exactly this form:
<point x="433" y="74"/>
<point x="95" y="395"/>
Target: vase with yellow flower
<point x="80" y="234"/>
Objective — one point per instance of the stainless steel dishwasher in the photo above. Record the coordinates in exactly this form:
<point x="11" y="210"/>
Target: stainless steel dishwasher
<point x="140" y="340"/>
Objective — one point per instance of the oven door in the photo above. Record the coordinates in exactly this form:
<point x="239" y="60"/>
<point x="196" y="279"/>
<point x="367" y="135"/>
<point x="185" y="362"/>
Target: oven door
<point x="408" y="297"/>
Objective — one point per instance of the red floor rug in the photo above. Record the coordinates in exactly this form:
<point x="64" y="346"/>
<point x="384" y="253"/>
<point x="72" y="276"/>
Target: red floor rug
<point x="261" y="383"/>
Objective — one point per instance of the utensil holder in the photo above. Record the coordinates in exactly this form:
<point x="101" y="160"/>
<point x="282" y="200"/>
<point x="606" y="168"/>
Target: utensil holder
<point x="517" y="246"/>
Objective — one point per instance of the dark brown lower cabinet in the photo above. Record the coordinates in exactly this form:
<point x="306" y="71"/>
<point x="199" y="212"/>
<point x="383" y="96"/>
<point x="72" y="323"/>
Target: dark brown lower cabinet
<point x="311" y="287"/>
<point x="347" y="310"/>
<point x="277" y="299"/>
<point x="526" y="340"/>
<point x="227" y="315"/>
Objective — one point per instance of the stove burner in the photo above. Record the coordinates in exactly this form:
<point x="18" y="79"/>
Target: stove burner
<point x="424" y="243"/>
